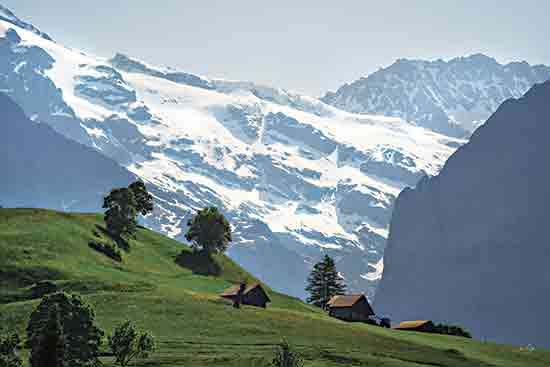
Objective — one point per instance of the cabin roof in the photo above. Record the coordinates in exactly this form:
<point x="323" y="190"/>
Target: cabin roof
<point x="233" y="291"/>
<point x="345" y="301"/>
<point x="412" y="324"/>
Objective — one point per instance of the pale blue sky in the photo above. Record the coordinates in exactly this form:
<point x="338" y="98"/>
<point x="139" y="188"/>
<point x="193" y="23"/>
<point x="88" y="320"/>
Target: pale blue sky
<point x="306" y="46"/>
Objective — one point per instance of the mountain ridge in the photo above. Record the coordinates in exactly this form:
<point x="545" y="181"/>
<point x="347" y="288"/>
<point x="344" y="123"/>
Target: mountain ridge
<point x="63" y="174"/>
<point x="452" y="97"/>
<point x="479" y="225"/>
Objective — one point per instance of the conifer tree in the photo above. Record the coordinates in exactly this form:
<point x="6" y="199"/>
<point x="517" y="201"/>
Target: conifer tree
<point x="324" y="282"/>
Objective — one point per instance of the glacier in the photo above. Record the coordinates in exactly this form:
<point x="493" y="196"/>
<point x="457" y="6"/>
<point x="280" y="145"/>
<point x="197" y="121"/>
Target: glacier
<point x="296" y="177"/>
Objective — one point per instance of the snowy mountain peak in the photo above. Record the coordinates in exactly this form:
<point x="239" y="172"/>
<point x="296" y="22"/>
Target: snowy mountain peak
<point x="8" y="16"/>
<point x="452" y="97"/>
<point x="297" y="178"/>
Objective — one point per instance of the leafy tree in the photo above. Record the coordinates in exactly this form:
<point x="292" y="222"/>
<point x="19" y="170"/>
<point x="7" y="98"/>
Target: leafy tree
<point x="127" y="344"/>
<point x="286" y="356"/>
<point x="144" y="200"/>
<point x="50" y="348"/>
<point x="324" y="282"/>
<point x="209" y="231"/>
<point x="62" y="332"/>
<point x="8" y="351"/>
<point x="120" y="216"/>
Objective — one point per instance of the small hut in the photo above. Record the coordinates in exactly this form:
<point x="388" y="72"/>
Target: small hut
<point x="425" y="326"/>
<point x="350" y="308"/>
<point x="253" y="295"/>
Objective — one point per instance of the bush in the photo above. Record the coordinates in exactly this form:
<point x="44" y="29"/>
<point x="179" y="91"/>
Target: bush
<point x="9" y="356"/>
<point x="107" y="249"/>
<point x="43" y="288"/>
<point x="452" y="330"/>
<point x="287" y="356"/>
<point x="385" y="322"/>
<point x="127" y="344"/>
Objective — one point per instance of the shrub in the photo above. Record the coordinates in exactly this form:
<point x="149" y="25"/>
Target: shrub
<point x="43" y="288"/>
<point x="127" y="344"/>
<point x="452" y="330"/>
<point x="286" y="356"/>
<point x="107" y="250"/>
<point x="385" y="322"/>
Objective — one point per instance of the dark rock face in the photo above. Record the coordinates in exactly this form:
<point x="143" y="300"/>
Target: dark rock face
<point x="470" y="246"/>
<point x="41" y="168"/>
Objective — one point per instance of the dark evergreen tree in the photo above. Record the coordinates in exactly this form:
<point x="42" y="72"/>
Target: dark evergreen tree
<point x="121" y="214"/>
<point x="209" y="231"/>
<point x="324" y="282"/>
<point x="9" y="356"/>
<point x="144" y="200"/>
<point x="62" y="333"/>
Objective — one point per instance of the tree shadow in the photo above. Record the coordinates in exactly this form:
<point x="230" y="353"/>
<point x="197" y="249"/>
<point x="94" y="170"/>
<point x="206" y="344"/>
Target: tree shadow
<point x="199" y="262"/>
<point x="121" y="242"/>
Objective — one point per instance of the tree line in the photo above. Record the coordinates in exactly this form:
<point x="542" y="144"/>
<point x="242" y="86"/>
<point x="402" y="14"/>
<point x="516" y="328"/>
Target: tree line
<point x="62" y="332"/>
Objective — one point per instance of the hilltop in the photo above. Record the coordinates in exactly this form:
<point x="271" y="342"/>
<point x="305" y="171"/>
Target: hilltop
<point x="182" y="308"/>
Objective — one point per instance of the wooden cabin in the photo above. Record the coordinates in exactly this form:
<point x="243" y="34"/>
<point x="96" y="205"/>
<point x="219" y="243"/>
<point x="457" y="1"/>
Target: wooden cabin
<point x="424" y="326"/>
<point x="253" y="295"/>
<point x="350" y="308"/>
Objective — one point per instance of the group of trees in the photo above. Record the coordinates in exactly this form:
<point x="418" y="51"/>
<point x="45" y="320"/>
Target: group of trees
<point x="208" y="230"/>
<point x="62" y="332"/>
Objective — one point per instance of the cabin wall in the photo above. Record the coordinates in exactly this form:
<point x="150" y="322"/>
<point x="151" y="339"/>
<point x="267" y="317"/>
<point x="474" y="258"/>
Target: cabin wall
<point x="255" y="298"/>
<point x="361" y="310"/>
<point x="343" y="313"/>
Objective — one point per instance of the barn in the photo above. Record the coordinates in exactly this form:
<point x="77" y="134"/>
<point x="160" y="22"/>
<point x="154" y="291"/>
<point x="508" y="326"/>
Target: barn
<point x="425" y="326"/>
<point x="350" y="308"/>
<point x="253" y="295"/>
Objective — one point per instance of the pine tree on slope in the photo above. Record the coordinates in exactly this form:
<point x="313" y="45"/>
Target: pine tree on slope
<point x="324" y="282"/>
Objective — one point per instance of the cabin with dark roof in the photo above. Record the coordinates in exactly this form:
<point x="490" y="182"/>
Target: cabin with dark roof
<point x="253" y="295"/>
<point x="425" y="326"/>
<point x="350" y="308"/>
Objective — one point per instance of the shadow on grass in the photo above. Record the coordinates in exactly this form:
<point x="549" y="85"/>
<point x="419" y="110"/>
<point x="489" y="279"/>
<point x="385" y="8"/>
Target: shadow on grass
<point x="22" y="277"/>
<point x="121" y="242"/>
<point x="199" y="262"/>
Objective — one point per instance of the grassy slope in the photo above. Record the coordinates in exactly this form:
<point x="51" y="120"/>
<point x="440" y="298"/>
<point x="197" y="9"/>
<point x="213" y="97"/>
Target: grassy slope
<point x="194" y="326"/>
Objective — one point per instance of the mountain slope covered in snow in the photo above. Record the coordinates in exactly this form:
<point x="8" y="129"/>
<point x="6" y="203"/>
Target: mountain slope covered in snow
<point x="452" y="97"/>
<point x="296" y="177"/>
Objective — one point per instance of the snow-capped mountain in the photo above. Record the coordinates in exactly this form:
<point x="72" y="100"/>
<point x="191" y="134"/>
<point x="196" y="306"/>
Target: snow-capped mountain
<point x="297" y="178"/>
<point x="452" y="97"/>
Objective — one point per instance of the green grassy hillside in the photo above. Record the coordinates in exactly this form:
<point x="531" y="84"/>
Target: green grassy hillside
<point x="193" y="325"/>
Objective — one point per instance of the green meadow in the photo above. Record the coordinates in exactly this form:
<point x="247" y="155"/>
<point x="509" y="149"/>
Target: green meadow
<point x="164" y="287"/>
